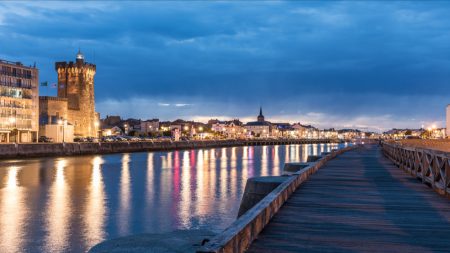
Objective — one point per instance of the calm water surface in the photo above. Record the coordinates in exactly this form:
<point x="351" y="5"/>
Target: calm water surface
<point x="70" y="204"/>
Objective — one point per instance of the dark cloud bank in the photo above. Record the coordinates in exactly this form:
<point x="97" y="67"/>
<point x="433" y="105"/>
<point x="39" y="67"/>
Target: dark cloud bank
<point x="334" y="64"/>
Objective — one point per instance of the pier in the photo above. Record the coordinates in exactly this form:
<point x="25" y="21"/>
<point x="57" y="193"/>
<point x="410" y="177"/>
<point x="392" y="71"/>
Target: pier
<point x="357" y="201"/>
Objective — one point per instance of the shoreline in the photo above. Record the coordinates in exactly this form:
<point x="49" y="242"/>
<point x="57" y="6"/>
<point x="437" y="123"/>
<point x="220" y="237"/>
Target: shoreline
<point x="37" y="150"/>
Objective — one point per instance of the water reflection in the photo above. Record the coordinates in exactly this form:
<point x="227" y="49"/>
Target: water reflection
<point x="89" y="199"/>
<point x="264" y="162"/>
<point x="59" y="210"/>
<point x="184" y="212"/>
<point x="276" y="160"/>
<point x="95" y="207"/>
<point x="124" y="196"/>
<point x="12" y="213"/>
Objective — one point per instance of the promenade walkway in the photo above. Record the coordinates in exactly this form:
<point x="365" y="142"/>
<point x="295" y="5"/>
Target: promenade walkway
<point x="359" y="202"/>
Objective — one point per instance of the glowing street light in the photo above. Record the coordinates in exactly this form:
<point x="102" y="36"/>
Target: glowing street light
<point x="200" y="129"/>
<point x="63" y="123"/>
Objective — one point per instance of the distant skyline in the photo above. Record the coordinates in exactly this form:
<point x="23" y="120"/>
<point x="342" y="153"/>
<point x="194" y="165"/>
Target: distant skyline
<point x="368" y="65"/>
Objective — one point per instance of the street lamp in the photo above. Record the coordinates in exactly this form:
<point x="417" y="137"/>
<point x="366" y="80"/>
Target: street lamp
<point x="96" y="125"/>
<point x="125" y="126"/>
<point x="63" y="123"/>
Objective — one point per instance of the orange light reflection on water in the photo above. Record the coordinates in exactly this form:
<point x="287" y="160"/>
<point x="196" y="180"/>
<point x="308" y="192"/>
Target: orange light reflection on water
<point x="12" y="213"/>
<point x="94" y="217"/>
<point x="59" y="211"/>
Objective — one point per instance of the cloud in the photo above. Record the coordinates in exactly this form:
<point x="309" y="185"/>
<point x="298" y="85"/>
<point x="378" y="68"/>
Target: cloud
<point x="182" y="105"/>
<point x="320" y="60"/>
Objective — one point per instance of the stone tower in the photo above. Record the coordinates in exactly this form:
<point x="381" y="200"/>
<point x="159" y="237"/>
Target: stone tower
<point x="76" y="84"/>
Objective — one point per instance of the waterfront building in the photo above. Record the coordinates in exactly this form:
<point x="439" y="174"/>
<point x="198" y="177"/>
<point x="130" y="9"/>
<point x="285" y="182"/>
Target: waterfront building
<point x="235" y="129"/>
<point x="300" y="130"/>
<point x="76" y="84"/>
<point x="438" y="133"/>
<point x="283" y="130"/>
<point x="311" y="132"/>
<point x="150" y="126"/>
<point x="53" y="123"/>
<point x="329" y="133"/>
<point x="19" y="102"/>
<point x="111" y="121"/>
<point x="348" y="134"/>
<point x="448" y="121"/>
<point x="131" y="126"/>
<point x="74" y="106"/>
<point x="230" y="129"/>
<point x="219" y="126"/>
<point x="259" y="128"/>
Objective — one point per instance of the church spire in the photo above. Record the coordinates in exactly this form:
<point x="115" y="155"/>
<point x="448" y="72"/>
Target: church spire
<point x="260" y="116"/>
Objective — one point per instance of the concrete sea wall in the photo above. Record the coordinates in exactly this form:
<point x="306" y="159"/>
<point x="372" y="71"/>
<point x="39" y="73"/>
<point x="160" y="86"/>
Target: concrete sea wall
<point x="68" y="149"/>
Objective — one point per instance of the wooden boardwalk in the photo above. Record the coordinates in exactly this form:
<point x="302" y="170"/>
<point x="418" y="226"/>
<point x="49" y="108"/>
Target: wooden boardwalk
<point x="359" y="202"/>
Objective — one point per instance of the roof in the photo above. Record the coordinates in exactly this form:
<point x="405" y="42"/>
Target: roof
<point x="258" y="123"/>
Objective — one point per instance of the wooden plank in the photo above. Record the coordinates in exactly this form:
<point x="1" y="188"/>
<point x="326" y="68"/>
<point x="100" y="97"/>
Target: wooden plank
<point x="359" y="202"/>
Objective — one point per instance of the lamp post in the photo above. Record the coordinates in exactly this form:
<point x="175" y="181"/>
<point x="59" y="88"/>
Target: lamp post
<point x="96" y="126"/>
<point x="126" y="129"/>
<point x="200" y="130"/>
<point x="63" y="123"/>
<point x="186" y="129"/>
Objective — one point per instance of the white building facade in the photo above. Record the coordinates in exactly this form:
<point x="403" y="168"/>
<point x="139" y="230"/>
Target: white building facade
<point x="448" y="120"/>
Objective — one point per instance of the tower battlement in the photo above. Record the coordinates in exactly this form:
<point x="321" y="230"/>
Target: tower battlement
<point x="71" y="64"/>
<point x="76" y="84"/>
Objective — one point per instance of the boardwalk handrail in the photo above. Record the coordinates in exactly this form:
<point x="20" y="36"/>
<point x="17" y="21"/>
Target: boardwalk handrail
<point x="431" y="166"/>
<point x="240" y="234"/>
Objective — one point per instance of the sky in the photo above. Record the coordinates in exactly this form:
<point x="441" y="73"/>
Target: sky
<point x="362" y="64"/>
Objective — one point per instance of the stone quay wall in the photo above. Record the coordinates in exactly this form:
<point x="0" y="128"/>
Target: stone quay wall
<point x="24" y="150"/>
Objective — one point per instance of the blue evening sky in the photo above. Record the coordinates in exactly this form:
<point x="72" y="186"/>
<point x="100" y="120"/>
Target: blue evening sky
<point x="372" y="65"/>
